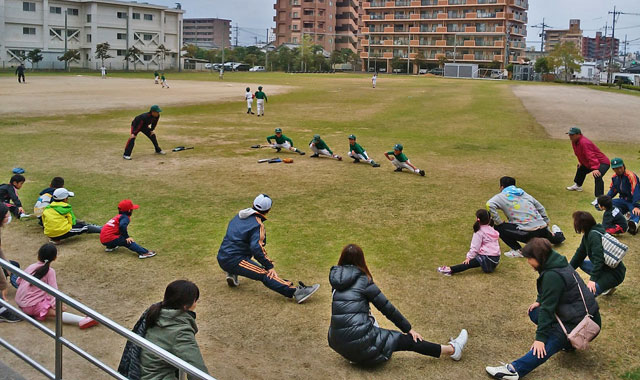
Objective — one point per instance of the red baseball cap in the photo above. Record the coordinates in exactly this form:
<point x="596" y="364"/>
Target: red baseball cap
<point x="126" y="205"/>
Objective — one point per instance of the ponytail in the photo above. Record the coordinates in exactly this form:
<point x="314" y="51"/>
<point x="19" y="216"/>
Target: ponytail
<point x="46" y="254"/>
<point x="179" y="295"/>
<point x="482" y="219"/>
<point x="153" y="314"/>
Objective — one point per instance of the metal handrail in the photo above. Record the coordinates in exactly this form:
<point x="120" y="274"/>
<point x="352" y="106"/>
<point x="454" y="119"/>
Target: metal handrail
<point x="183" y="367"/>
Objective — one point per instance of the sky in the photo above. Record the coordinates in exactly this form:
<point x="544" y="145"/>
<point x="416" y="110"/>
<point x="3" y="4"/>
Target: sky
<point x="254" y="17"/>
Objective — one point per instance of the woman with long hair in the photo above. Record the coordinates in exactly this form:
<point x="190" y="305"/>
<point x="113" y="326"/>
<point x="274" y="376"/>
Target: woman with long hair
<point x="354" y="332"/>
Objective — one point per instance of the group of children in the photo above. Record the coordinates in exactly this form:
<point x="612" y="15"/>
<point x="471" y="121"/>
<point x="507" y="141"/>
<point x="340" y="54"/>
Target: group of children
<point x="261" y="99"/>
<point x="356" y="151"/>
<point x="160" y="79"/>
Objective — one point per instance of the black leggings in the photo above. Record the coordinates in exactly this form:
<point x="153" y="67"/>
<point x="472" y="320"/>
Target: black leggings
<point x="474" y="263"/>
<point x="406" y="343"/>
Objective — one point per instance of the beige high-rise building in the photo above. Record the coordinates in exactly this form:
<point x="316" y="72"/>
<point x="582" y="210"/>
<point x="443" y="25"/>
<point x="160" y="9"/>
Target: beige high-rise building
<point x="555" y="36"/>
<point x="333" y="25"/>
<point x="486" y="32"/>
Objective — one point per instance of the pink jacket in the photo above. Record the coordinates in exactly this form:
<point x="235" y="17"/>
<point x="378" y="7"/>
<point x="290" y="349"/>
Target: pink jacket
<point x="484" y="242"/>
<point x="588" y="154"/>
<point x="29" y="295"/>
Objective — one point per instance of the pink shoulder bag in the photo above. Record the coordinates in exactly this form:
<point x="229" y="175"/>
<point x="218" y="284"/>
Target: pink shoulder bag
<point x="585" y="331"/>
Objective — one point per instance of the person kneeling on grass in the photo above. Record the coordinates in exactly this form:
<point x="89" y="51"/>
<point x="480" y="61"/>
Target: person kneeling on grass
<point x="45" y="197"/>
<point x="9" y="194"/>
<point x="613" y="221"/>
<point x="59" y="220"/>
<point x="354" y="332"/>
<point x="35" y="301"/>
<point x="400" y="160"/>
<point x="319" y="147"/>
<point x="561" y="294"/>
<point x="282" y="142"/>
<point x="114" y="234"/>
<point x="626" y="185"/>
<point x="526" y="217"/>
<point x="485" y="247"/>
<point x="358" y="153"/>
<point x="603" y="279"/>
<point x="246" y="238"/>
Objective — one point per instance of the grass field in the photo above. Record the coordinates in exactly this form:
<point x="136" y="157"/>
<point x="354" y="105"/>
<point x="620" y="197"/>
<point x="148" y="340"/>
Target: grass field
<point x="465" y="134"/>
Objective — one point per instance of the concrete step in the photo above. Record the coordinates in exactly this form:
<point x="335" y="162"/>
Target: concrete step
<point x="7" y="373"/>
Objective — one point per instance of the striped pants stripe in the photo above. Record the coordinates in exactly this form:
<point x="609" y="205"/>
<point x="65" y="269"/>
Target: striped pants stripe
<point x="254" y="271"/>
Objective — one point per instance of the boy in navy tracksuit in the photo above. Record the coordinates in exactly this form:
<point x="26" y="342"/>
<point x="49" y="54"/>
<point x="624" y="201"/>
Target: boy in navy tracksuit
<point x="114" y="234"/>
<point x="626" y="184"/>
<point x="613" y="221"/>
<point x="9" y="194"/>
<point x="246" y="238"/>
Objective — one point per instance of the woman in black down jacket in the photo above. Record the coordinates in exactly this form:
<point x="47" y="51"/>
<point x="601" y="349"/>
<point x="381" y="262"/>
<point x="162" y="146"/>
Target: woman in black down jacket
<point x="354" y="332"/>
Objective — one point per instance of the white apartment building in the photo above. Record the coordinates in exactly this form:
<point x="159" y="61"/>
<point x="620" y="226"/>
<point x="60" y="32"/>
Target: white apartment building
<point x="30" y="24"/>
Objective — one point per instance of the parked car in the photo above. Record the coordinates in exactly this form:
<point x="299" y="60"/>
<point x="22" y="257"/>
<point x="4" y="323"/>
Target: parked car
<point x="436" y="72"/>
<point x="382" y="70"/>
<point x="257" y="68"/>
<point x="242" y="67"/>
<point x="208" y="66"/>
<point x="423" y="71"/>
<point x="623" y="80"/>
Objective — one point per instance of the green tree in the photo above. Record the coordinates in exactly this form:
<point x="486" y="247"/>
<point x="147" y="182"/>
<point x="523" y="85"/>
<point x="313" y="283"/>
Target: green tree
<point x="441" y="61"/>
<point x="162" y="52"/>
<point x="542" y="65"/>
<point x="421" y="60"/>
<point x="190" y="51"/>
<point x="133" y="55"/>
<point x="102" y="52"/>
<point x="305" y="52"/>
<point x="567" y="57"/>
<point x="251" y="59"/>
<point x="396" y="63"/>
<point x="70" y="55"/>
<point x="34" y="57"/>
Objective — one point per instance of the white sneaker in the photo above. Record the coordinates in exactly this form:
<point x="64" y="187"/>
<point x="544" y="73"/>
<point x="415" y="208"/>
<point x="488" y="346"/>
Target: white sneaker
<point x="573" y="187"/>
<point x="162" y="152"/>
<point x="458" y="344"/>
<point x="25" y="216"/>
<point x="555" y="229"/>
<point x="110" y="249"/>
<point x="514" y="253"/>
<point x="503" y="372"/>
<point x="127" y="157"/>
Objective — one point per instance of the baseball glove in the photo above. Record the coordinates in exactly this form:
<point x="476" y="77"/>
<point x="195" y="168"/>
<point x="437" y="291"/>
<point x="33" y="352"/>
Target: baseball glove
<point x="287" y="160"/>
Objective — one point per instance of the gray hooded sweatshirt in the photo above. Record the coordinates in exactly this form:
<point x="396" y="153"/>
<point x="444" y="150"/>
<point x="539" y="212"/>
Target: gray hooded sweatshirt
<point x="520" y="209"/>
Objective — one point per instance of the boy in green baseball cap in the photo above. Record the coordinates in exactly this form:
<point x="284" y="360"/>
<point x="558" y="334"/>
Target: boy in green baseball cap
<point x="282" y="141"/>
<point x="626" y="185"/>
<point x="357" y="152"/>
<point x="401" y="161"/>
<point x="319" y="147"/>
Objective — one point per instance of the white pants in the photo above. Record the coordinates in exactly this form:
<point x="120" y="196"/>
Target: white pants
<point x="404" y="165"/>
<point x="249" y="103"/>
<point x="260" y="103"/>
<point x="360" y="156"/>
<point x="284" y="145"/>
<point x="165" y="84"/>
<point x="323" y="152"/>
<point x="374" y="83"/>
<point x="157" y="79"/>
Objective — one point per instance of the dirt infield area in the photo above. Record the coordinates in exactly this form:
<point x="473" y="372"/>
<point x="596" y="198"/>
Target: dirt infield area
<point x="42" y="95"/>
<point x="601" y="115"/>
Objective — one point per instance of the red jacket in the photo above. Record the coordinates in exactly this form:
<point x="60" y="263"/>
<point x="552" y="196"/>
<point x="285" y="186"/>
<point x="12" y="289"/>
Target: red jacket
<point x="115" y="228"/>
<point x="588" y="154"/>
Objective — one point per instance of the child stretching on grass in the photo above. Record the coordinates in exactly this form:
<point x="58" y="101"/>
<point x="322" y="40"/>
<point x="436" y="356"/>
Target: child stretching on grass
<point x="114" y="234"/>
<point x="401" y="161"/>
<point x="45" y="197"/>
<point x="319" y="147"/>
<point x="485" y="248"/>
<point x="35" y="301"/>
<point x="613" y="221"/>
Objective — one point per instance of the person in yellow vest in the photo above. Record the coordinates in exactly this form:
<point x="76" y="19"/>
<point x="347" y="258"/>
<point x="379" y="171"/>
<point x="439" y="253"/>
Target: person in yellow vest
<point x="59" y="220"/>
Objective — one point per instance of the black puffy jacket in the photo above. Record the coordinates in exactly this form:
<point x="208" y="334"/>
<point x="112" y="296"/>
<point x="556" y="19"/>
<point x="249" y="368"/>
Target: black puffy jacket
<point x="352" y="333"/>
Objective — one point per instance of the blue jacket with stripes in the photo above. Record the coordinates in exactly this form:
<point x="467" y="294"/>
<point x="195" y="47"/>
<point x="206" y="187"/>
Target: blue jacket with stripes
<point x="245" y="238"/>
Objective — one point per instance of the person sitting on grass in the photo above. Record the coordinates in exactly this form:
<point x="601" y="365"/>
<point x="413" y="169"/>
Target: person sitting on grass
<point x="9" y="194"/>
<point x="603" y="279"/>
<point x="485" y="247"/>
<point x="560" y="295"/>
<point x="358" y="153"/>
<point x="626" y="185"/>
<point x="114" y="234"/>
<point x="527" y="218"/>
<point x="44" y="199"/>
<point x="400" y="160"/>
<point x="613" y="221"/>
<point x="282" y="142"/>
<point x="319" y="147"/>
<point x="59" y="220"/>
<point x="6" y="315"/>
<point x="354" y="333"/>
<point x="36" y="302"/>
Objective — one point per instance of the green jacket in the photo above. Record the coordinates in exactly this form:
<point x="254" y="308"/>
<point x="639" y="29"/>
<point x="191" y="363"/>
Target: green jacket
<point x="551" y="288"/>
<point x="279" y="140"/>
<point x="602" y="274"/>
<point x="320" y="144"/>
<point x="261" y="95"/>
<point x="358" y="149"/>
<point x="175" y="331"/>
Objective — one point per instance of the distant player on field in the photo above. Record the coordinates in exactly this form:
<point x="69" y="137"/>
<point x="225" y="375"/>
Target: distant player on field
<point x="145" y="123"/>
<point x="20" y="73"/>
<point x="262" y="98"/>
<point x="358" y="153"/>
<point x="319" y="147"/>
<point x="103" y="72"/>
<point x="374" y="79"/>
<point x="282" y="141"/>
<point x="249" y="98"/>
<point x="163" y="80"/>
<point x="156" y="76"/>
<point x="400" y="160"/>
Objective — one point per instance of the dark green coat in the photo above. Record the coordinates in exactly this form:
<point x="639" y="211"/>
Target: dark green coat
<point x="175" y="331"/>
<point x="591" y="247"/>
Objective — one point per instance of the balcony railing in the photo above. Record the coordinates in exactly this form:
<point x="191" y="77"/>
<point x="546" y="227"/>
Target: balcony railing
<point x="401" y="16"/>
<point x="378" y="3"/>
<point x="457" y="2"/>
<point x="403" y="3"/>
<point x="429" y="2"/>
<point x="376" y="16"/>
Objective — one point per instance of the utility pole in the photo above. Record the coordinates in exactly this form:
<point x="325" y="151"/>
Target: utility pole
<point x="66" y="38"/>
<point x="506" y="56"/>
<point x="613" y="36"/>
<point x="127" y="44"/>
<point x="369" y="52"/>
<point x="408" y="53"/>
<point x="266" y="52"/>
<point x="624" y="60"/>
<point x="542" y="35"/>
<point x="236" y="34"/>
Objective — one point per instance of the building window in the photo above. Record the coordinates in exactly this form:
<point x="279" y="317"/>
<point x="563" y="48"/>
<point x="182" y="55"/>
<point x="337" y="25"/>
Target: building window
<point x="89" y="18"/>
<point x="148" y="17"/>
<point x="28" y="7"/>
<point x="147" y="57"/>
<point x="122" y="36"/>
<point x="56" y="10"/>
<point x="88" y="37"/>
<point x="294" y="40"/>
<point x="121" y="53"/>
<point x="122" y="14"/>
<point x="73" y="11"/>
<point x="148" y="37"/>
<point x="136" y="16"/>
<point x="29" y="31"/>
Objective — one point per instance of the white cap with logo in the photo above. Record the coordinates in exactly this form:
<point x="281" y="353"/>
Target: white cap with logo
<point x="262" y="202"/>
<point x="62" y="194"/>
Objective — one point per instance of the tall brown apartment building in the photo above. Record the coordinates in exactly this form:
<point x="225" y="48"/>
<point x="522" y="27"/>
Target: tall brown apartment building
<point x="207" y="32"/>
<point x="465" y="31"/>
<point x="332" y="24"/>
<point x="555" y="36"/>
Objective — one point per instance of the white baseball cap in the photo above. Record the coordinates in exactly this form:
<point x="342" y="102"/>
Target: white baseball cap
<point x="62" y="193"/>
<point x="262" y="202"/>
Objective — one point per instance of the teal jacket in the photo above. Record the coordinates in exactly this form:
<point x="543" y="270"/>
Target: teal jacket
<point x="591" y="247"/>
<point x="175" y="332"/>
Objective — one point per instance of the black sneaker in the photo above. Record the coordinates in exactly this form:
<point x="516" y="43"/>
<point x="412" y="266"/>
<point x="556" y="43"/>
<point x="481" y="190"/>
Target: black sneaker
<point x="398" y="170"/>
<point x="422" y="173"/>
<point x="301" y="153"/>
<point x="278" y="150"/>
<point x="315" y="155"/>
<point x="232" y="280"/>
<point x="375" y="165"/>
<point x="8" y="316"/>
<point x="303" y="292"/>
<point x="355" y="160"/>
<point x="633" y="228"/>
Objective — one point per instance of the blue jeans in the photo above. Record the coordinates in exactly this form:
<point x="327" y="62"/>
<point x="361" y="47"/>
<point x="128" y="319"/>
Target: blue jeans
<point x="626" y="207"/>
<point x="529" y="361"/>
<point x="587" y="267"/>
<point x="122" y="242"/>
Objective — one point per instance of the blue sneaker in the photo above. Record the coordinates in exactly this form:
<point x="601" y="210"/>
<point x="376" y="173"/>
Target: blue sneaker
<point x="14" y="280"/>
